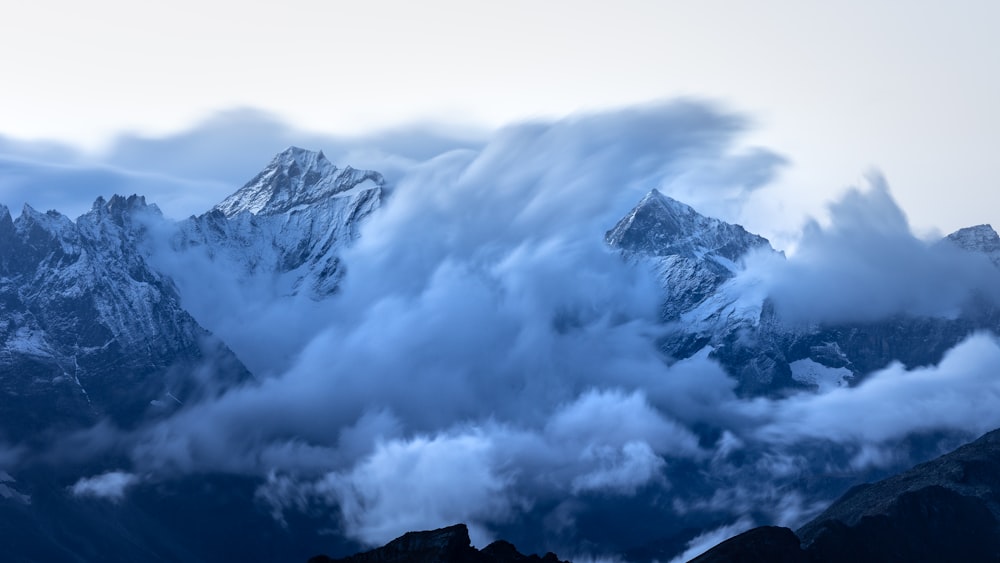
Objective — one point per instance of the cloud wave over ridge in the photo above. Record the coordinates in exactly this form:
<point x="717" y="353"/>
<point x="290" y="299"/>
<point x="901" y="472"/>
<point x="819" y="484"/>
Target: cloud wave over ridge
<point x="486" y="335"/>
<point x="488" y="359"/>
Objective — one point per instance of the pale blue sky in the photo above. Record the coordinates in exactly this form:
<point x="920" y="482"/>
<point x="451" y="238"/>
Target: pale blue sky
<point x="837" y="87"/>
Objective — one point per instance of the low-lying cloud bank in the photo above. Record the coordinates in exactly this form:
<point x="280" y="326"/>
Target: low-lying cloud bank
<point x="959" y="394"/>
<point x="489" y="358"/>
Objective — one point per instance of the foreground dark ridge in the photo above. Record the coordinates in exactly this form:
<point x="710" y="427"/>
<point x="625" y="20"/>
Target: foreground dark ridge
<point x="947" y="509"/>
<point x="444" y="545"/>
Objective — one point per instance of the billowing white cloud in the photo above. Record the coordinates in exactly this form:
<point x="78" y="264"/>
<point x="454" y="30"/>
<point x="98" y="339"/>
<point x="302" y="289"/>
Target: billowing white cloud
<point x="423" y="483"/>
<point x="959" y="394"/>
<point x="866" y="265"/>
<point x="489" y="360"/>
<point x="609" y="443"/>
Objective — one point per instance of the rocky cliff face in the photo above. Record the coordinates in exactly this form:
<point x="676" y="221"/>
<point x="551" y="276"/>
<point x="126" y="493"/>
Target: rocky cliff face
<point x="445" y="545"/>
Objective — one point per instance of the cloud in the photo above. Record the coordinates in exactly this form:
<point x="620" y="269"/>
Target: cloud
<point x="109" y="486"/>
<point x="958" y="394"/>
<point x="488" y="357"/>
<point x="866" y="266"/>
<point x="188" y="172"/>
<point x="610" y="443"/>
<point x="73" y="187"/>
<point x="721" y="189"/>
<point x="489" y="360"/>
<point x="710" y="539"/>
<point x="231" y="146"/>
<point x="422" y="483"/>
<point x="622" y="470"/>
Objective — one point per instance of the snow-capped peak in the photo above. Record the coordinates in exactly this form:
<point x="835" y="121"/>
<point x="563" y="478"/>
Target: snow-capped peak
<point x="304" y="159"/>
<point x="120" y="209"/>
<point x="980" y="238"/>
<point x="296" y="177"/>
<point x="662" y="226"/>
<point x="120" y="202"/>
<point x="51" y="221"/>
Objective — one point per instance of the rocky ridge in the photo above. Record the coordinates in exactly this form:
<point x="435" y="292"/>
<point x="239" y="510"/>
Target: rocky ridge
<point x="444" y="545"/>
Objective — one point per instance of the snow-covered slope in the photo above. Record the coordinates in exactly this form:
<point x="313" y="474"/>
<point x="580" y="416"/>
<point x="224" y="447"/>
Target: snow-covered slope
<point x="691" y="254"/>
<point x="296" y="178"/>
<point x="705" y="304"/>
<point x="86" y="327"/>
<point x="290" y="222"/>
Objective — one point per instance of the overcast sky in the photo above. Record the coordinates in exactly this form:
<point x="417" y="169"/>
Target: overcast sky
<point x="908" y="87"/>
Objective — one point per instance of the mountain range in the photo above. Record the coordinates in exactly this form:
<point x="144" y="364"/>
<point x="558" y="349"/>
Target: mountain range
<point x="707" y="306"/>
<point x="89" y="330"/>
<point x="90" y="322"/>
<point x="98" y="327"/>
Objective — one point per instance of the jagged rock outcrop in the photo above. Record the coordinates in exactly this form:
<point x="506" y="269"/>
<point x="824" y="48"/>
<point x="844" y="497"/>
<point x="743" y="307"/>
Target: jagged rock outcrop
<point x="444" y="545"/>
<point x="947" y="509"/>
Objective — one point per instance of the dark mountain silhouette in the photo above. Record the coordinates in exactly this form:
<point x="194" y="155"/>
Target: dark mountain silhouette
<point x="947" y="509"/>
<point x="444" y="545"/>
